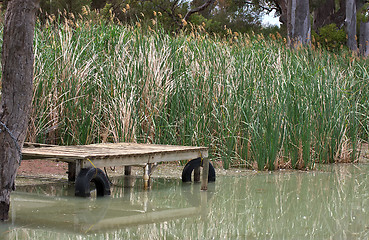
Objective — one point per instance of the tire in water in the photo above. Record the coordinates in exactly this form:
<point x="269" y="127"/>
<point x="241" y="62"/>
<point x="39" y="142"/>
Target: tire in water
<point x="195" y="163"/>
<point x="88" y="175"/>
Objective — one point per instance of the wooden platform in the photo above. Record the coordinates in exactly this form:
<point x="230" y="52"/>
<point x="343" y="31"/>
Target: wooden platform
<point x="116" y="154"/>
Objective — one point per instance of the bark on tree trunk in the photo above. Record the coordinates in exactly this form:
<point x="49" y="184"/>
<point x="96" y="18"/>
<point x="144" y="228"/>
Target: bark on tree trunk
<point x="282" y="5"/>
<point x="17" y="68"/>
<point x="351" y="24"/>
<point x="339" y="16"/>
<point x="323" y="13"/>
<point x="364" y="39"/>
<point x="298" y="22"/>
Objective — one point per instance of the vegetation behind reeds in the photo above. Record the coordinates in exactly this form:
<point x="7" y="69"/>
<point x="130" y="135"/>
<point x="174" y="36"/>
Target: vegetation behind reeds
<point x="253" y="101"/>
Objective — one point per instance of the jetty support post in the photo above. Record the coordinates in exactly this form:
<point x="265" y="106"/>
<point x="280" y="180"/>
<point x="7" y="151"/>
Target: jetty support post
<point x="146" y="176"/>
<point x="71" y="171"/>
<point x="196" y="174"/>
<point x="127" y="170"/>
<point x="205" y="174"/>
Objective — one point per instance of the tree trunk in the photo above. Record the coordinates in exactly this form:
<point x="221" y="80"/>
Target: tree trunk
<point x="323" y="13"/>
<point x="364" y="39"/>
<point x="282" y="6"/>
<point x="16" y="97"/>
<point x="339" y="16"/>
<point x="298" y="23"/>
<point x="351" y="24"/>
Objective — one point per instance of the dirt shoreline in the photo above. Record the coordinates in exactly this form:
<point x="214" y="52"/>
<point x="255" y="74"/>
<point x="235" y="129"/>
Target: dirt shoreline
<point x="44" y="171"/>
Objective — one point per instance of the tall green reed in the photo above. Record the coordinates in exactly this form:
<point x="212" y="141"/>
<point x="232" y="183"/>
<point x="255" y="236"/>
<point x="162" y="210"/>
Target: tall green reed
<point x="254" y="102"/>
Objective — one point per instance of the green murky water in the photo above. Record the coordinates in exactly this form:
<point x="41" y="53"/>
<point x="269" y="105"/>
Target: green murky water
<point x="330" y="204"/>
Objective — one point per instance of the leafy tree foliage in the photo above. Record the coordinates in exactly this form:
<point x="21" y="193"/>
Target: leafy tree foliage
<point x="235" y="14"/>
<point x="239" y="15"/>
<point x="328" y="16"/>
<point x="330" y="37"/>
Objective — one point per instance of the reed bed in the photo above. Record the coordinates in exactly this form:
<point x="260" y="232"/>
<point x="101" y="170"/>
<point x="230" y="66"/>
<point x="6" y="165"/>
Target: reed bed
<point x="253" y="101"/>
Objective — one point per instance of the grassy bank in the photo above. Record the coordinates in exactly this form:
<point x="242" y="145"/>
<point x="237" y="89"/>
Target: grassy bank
<point x="250" y="99"/>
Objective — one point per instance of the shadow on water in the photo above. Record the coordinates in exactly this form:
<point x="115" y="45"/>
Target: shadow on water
<point x="328" y="204"/>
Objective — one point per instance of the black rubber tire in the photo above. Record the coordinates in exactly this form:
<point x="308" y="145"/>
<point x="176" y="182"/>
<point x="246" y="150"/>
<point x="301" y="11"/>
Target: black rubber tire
<point x="195" y="163"/>
<point x="95" y="175"/>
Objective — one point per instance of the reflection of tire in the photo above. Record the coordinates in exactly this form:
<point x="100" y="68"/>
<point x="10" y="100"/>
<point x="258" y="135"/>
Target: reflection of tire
<point x="89" y="213"/>
<point x="95" y="175"/>
<point x="193" y="194"/>
<point x="195" y="163"/>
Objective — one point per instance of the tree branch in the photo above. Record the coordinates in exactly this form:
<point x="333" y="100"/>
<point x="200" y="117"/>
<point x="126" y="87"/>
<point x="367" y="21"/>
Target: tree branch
<point x="170" y="13"/>
<point x="278" y="6"/>
<point x="269" y="10"/>
<point x="198" y="9"/>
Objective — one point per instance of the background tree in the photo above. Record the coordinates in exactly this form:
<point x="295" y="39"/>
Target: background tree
<point x="298" y="22"/>
<point x="364" y="30"/>
<point x="16" y="96"/>
<point x="326" y="12"/>
<point x="364" y="38"/>
<point x="351" y="24"/>
<point x="70" y="6"/>
<point x="235" y="14"/>
<point x="281" y="5"/>
<point x="172" y="12"/>
<point x="322" y="12"/>
<point x="49" y="7"/>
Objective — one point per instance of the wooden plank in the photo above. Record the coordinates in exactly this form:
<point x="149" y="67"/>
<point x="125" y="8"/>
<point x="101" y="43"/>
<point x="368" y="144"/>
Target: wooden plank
<point x="116" y="151"/>
<point x="105" y="150"/>
<point x="36" y="145"/>
<point x="131" y="160"/>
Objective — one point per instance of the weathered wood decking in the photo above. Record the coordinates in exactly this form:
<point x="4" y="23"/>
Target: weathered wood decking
<point x="117" y="154"/>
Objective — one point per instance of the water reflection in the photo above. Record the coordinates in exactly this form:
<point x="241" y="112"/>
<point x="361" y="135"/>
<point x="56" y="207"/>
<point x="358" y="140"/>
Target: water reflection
<point x="128" y="206"/>
<point x="328" y="204"/>
<point x="299" y="205"/>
